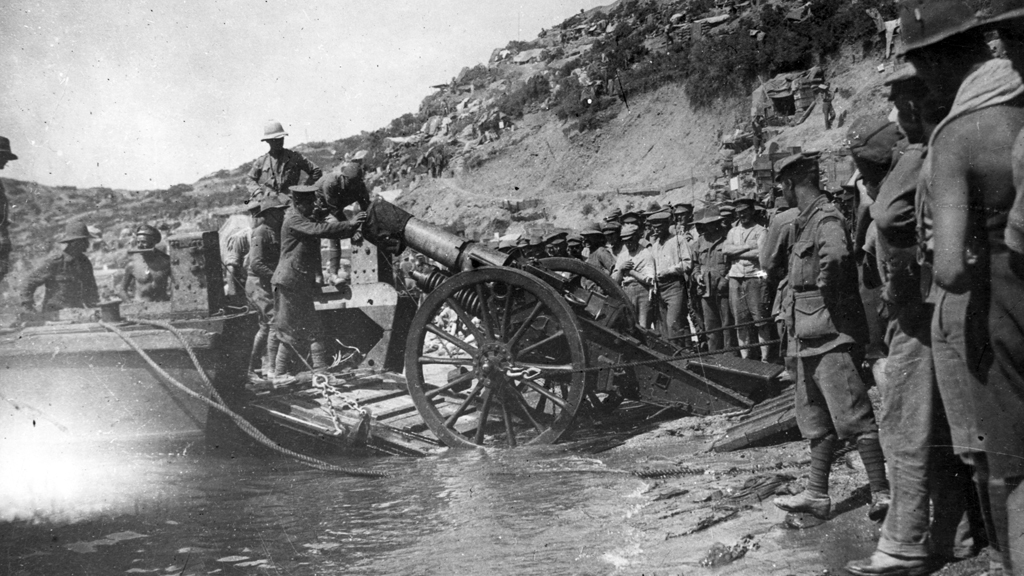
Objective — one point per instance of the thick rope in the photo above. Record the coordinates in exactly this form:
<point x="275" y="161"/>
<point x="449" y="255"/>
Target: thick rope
<point x="218" y="403"/>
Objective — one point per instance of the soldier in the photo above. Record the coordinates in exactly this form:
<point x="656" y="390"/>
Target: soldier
<point x="747" y="286"/>
<point x="574" y="246"/>
<point x="672" y="263"/>
<point x="757" y="130"/>
<point x="710" y="274"/>
<point x="342" y="187"/>
<point x="828" y="320"/>
<point x="294" y="280"/>
<point x="148" y="273"/>
<point x="67" y="276"/>
<point x="554" y="245"/>
<point x="827" y="111"/>
<point x="915" y="434"/>
<point x="280" y="168"/>
<point x="967" y="187"/>
<point x="236" y="257"/>
<point x="600" y="255"/>
<point x="5" y="212"/>
<point x="686" y="232"/>
<point x="634" y="269"/>
<point x="263" y="258"/>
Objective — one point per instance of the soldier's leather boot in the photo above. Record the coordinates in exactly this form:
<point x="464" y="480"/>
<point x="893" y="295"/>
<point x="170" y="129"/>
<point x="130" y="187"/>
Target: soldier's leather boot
<point x="806" y="502"/>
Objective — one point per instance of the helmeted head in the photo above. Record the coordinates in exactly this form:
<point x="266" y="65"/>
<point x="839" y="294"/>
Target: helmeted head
<point x="683" y="212"/>
<point x="303" y="198"/>
<point x="660" y="221"/>
<point x="794" y="169"/>
<point x="943" y="40"/>
<point x="630" y="233"/>
<point x="744" y="209"/>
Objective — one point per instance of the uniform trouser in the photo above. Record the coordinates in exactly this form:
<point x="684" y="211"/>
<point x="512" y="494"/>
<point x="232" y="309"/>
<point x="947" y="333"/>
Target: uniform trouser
<point x="923" y="471"/>
<point x="831" y="397"/>
<point x="640" y="298"/>
<point x="1004" y="408"/>
<point x="748" y="298"/>
<point x="672" y="309"/>
<point x="718" y="313"/>
<point x="960" y="388"/>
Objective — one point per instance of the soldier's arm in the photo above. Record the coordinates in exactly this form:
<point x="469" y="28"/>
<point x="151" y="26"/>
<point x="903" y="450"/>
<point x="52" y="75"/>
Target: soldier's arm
<point x="327" y="229"/>
<point x="127" y="282"/>
<point x="313" y="172"/>
<point x="255" y="173"/>
<point x="259" y="263"/>
<point x="34" y="280"/>
<point x="90" y="292"/>
<point x="950" y="205"/>
<point x="833" y="254"/>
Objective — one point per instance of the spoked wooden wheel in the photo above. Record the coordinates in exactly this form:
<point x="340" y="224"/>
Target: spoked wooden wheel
<point x="493" y="358"/>
<point x="580" y="271"/>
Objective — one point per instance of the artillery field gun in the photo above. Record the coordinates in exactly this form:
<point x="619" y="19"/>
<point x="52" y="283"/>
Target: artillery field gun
<point x="506" y="351"/>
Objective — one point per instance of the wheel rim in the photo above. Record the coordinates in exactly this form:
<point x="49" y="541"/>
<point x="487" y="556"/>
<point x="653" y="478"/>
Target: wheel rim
<point x="609" y="287"/>
<point x="497" y="346"/>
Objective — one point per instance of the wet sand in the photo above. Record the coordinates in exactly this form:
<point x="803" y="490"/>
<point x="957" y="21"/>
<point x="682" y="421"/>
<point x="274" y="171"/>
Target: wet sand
<point x="718" y="517"/>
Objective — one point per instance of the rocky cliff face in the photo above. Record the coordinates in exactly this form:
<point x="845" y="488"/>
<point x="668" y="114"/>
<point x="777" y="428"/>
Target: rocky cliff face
<point x="594" y="113"/>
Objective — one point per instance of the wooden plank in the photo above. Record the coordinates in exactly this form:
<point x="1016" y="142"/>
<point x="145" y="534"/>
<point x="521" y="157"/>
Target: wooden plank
<point x="770" y="418"/>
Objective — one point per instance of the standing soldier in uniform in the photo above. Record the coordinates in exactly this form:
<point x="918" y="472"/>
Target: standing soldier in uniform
<point x="340" y="188"/>
<point x="148" y="274"/>
<point x="5" y="212"/>
<point x="672" y="263"/>
<point x="280" y="168"/>
<point x="711" y="275"/>
<point x="634" y="270"/>
<point x="294" y="281"/>
<point x="687" y="232"/>
<point x="828" y="321"/>
<point x="263" y="258"/>
<point x="747" y="285"/>
<point x="826" y="105"/>
<point x="67" y="276"/>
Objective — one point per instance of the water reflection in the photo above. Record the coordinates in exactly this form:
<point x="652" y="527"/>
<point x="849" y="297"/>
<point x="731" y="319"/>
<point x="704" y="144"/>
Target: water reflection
<point x="524" y="511"/>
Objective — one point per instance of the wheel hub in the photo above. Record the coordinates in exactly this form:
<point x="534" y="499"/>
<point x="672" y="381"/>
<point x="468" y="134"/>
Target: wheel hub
<point x="494" y="359"/>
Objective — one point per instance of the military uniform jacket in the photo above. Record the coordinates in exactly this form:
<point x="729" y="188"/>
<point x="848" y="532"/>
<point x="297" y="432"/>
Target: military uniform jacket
<point x="826" y="309"/>
<point x="264" y="254"/>
<point x="5" y="223"/>
<point x="712" y="269"/>
<point x="278" y="174"/>
<point x="340" y="188"/>
<point x="603" y="259"/>
<point x="300" y="249"/>
<point x="69" y="283"/>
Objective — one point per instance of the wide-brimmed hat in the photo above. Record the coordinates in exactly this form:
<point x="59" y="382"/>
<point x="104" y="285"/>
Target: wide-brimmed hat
<point x="903" y="73"/>
<point x="742" y="204"/>
<point x="1003" y="10"/>
<point x="75" y="231"/>
<point x="273" y="130"/>
<point x="271" y="203"/>
<point x="927" y="22"/>
<point x="5" y="149"/>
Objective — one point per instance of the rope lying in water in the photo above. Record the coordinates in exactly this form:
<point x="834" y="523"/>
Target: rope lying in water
<point x="217" y="403"/>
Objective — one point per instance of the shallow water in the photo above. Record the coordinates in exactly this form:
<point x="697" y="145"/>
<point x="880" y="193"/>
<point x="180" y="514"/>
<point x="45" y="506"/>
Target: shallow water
<point x="526" y="511"/>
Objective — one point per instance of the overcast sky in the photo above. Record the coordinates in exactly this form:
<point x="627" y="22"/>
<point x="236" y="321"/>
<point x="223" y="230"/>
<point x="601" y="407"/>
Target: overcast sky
<point x="145" y="94"/>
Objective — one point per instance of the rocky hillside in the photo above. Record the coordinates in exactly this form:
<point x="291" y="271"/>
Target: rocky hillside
<point x="629" y="105"/>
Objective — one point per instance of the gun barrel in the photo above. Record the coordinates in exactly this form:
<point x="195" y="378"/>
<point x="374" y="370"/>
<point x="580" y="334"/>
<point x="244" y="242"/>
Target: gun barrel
<point x="454" y="252"/>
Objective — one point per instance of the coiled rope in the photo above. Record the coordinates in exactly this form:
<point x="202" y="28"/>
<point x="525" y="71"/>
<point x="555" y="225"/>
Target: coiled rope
<point x="218" y="403"/>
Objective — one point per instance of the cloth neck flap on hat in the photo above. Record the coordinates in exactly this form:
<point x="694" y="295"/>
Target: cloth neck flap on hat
<point x="995" y="82"/>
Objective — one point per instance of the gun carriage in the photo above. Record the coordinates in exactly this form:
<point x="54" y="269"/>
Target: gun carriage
<point x="507" y="351"/>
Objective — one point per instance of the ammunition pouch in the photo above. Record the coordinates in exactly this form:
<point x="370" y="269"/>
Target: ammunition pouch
<point x="811" y="318"/>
